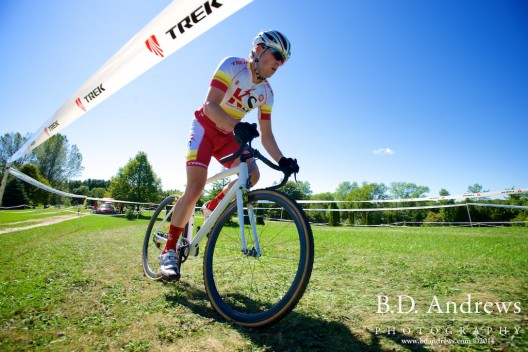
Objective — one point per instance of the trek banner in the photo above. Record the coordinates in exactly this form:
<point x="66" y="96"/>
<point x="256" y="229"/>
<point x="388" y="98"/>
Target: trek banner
<point x="177" y="25"/>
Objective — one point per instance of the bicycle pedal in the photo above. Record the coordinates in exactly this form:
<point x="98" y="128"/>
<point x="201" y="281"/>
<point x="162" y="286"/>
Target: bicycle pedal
<point x="171" y="278"/>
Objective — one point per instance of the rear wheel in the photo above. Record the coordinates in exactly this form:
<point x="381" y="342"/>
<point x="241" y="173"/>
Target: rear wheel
<point x="251" y="290"/>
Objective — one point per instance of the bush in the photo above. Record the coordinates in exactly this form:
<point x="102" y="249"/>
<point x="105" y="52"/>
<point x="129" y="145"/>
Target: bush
<point x="432" y="219"/>
<point x="130" y="214"/>
<point x="334" y="216"/>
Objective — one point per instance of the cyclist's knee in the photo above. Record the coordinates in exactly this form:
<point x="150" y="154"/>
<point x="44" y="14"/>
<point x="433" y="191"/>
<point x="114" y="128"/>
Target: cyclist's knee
<point x="255" y="176"/>
<point x="196" y="178"/>
<point x="193" y="192"/>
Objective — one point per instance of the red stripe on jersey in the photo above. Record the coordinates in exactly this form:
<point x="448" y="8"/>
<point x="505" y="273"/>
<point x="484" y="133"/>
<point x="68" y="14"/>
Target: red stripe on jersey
<point x="219" y="84"/>
<point x="265" y="116"/>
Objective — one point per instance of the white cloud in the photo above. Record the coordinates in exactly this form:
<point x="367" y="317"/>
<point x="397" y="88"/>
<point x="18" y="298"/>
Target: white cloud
<point x="384" y="151"/>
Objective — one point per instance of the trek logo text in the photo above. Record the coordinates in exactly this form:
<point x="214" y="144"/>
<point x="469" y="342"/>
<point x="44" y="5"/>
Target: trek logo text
<point x="94" y="93"/>
<point x="193" y="18"/>
<point x="90" y="96"/>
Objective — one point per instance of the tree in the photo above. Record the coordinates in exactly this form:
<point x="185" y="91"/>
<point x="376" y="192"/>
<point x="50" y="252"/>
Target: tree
<point x="403" y="190"/>
<point x="299" y="190"/>
<point x="318" y="216"/>
<point x="432" y="218"/>
<point x="519" y="199"/>
<point x="10" y="143"/>
<point x="57" y="161"/>
<point x="357" y="197"/>
<point x="82" y="190"/>
<point x="35" y="195"/>
<point x="476" y="188"/>
<point x="333" y="216"/>
<point x="136" y="181"/>
<point x="75" y="186"/>
<point x="447" y="214"/>
<point x="15" y="194"/>
<point x="344" y="189"/>
<point x="97" y="192"/>
<point x="341" y="193"/>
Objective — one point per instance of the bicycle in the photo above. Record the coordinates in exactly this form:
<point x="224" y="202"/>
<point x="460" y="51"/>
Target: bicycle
<point x="259" y="253"/>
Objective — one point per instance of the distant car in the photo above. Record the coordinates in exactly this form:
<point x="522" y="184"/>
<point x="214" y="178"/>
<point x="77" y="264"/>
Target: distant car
<point x="105" y="209"/>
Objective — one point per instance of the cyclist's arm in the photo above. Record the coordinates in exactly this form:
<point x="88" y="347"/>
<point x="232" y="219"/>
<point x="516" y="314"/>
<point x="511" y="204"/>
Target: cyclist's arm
<point x="268" y="140"/>
<point x="215" y="112"/>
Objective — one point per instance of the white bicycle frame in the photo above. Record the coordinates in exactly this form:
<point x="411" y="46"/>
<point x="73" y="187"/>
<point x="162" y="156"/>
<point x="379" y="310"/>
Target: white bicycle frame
<point x="238" y="190"/>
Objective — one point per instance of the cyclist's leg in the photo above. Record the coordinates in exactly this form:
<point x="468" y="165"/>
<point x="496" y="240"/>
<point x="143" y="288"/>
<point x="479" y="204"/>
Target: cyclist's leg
<point x="169" y="260"/>
<point x="198" y="157"/>
<point x="196" y="178"/>
<point x="155" y="239"/>
<point x="199" y="151"/>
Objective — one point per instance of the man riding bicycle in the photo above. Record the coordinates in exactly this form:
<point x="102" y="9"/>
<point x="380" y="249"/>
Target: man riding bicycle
<point x="237" y="87"/>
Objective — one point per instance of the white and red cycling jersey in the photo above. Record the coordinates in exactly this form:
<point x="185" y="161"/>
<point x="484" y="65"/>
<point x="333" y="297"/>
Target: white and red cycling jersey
<point x="234" y="77"/>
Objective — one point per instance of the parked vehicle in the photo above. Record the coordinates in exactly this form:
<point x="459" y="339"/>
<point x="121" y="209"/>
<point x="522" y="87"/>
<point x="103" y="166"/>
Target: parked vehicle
<point x="106" y="209"/>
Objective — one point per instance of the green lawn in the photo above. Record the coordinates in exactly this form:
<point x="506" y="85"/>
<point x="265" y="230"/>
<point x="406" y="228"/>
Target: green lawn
<point x="17" y="217"/>
<point x="78" y="285"/>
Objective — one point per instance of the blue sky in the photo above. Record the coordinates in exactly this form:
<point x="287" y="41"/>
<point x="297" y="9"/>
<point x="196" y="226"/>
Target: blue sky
<point x="428" y="92"/>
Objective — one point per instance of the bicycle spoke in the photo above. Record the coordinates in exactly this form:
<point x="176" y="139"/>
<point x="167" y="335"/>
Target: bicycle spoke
<point x="258" y="290"/>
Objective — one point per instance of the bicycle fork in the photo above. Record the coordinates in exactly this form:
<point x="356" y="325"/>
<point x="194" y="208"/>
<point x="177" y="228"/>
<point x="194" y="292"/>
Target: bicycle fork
<point x="241" y="197"/>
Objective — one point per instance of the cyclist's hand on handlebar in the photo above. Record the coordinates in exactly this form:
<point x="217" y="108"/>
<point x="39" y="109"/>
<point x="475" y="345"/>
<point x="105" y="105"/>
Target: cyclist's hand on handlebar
<point x="245" y="131"/>
<point x="288" y="165"/>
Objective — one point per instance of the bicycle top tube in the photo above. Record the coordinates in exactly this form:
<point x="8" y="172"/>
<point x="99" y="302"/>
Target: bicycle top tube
<point x="254" y="153"/>
<point x="223" y="174"/>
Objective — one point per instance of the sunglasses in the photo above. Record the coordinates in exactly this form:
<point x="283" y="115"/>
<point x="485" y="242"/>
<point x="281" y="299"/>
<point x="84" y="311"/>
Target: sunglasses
<point x="277" y="55"/>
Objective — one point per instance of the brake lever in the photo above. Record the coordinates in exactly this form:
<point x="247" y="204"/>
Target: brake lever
<point x="295" y="174"/>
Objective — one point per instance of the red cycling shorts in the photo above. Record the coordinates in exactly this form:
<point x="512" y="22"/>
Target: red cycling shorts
<point x="206" y="141"/>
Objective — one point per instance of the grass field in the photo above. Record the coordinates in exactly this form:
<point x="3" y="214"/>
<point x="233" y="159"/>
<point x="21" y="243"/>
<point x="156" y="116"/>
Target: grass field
<point x="78" y="286"/>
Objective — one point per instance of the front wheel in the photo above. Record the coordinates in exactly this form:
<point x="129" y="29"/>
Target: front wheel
<point x="257" y="290"/>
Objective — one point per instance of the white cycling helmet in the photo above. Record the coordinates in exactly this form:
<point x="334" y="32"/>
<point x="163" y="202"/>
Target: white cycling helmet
<point x="274" y="40"/>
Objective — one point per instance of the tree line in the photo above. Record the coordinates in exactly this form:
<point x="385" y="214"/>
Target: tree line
<point x="56" y="162"/>
<point x="358" y="207"/>
<point x="53" y="164"/>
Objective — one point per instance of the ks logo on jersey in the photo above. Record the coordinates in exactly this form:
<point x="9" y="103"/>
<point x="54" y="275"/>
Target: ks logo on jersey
<point x="237" y="98"/>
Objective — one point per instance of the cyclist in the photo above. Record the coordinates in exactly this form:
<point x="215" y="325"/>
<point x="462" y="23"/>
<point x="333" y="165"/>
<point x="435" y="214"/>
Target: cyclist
<point x="237" y="87"/>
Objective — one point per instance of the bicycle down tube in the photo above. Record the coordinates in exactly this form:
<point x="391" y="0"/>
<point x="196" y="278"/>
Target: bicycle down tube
<point x="237" y="187"/>
<point x="208" y="225"/>
<point x="193" y="242"/>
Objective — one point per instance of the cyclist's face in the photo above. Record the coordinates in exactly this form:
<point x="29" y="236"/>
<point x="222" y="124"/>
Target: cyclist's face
<point x="269" y="63"/>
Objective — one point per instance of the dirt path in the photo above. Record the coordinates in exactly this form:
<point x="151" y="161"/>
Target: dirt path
<point x="38" y="223"/>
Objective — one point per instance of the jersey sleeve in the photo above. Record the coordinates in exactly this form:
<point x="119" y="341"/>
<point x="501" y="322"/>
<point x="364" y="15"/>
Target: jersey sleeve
<point x="265" y="112"/>
<point x="222" y="77"/>
<point x="265" y="109"/>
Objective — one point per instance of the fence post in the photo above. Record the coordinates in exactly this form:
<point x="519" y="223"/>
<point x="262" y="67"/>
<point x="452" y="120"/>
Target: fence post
<point x="469" y="215"/>
<point x="3" y="184"/>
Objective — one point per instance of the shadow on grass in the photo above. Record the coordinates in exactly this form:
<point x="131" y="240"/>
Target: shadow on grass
<point x="296" y="332"/>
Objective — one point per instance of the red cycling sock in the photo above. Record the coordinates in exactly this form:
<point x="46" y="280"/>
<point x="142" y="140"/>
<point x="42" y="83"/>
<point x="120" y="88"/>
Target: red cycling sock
<point x="174" y="235"/>
<point x="214" y="203"/>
